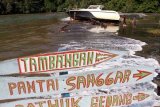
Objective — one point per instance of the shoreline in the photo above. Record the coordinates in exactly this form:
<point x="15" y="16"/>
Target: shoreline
<point x="82" y="36"/>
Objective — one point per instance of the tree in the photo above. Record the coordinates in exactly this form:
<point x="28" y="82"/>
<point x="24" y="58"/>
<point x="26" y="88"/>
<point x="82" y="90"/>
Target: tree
<point x="35" y="6"/>
<point x="148" y="6"/>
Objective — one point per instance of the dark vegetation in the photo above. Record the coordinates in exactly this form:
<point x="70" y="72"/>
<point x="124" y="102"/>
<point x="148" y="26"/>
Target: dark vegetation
<point x="39" y="6"/>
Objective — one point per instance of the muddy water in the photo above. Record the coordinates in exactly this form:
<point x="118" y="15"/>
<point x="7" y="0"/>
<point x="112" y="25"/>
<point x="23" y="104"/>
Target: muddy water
<point x="147" y="30"/>
<point x="22" y="35"/>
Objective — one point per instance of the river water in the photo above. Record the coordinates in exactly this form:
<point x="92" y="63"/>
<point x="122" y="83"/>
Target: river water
<point x="23" y="35"/>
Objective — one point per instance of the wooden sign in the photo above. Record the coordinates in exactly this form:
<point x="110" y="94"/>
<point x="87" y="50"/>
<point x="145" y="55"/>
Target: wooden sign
<point x="62" y="60"/>
<point x="55" y="61"/>
<point x="24" y="87"/>
<point x="102" y="100"/>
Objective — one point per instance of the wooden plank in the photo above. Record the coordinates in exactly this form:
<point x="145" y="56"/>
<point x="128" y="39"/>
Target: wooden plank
<point x="102" y="100"/>
<point x="54" y="62"/>
<point x="24" y="87"/>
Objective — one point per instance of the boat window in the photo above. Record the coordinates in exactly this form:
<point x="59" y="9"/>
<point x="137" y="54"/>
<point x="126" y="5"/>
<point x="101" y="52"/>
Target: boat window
<point x="93" y="7"/>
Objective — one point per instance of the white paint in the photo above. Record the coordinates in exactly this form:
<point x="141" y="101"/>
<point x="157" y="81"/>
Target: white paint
<point x="64" y="88"/>
<point x="12" y="67"/>
<point x="83" y="100"/>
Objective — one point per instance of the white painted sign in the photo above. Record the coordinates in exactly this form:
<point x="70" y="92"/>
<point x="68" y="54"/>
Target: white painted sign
<point x="24" y="87"/>
<point x="56" y="62"/>
<point x="62" y="60"/>
<point x="103" y="100"/>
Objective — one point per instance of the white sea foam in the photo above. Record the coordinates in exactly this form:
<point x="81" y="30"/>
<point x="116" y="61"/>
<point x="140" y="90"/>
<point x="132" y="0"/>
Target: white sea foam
<point x="66" y="19"/>
<point x="99" y="29"/>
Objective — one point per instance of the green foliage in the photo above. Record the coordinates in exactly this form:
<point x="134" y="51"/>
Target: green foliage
<point x="35" y="6"/>
<point x="149" y="6"/>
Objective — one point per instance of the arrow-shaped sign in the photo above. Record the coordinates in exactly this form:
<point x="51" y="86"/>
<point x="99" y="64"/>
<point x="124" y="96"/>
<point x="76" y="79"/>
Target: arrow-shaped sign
<point x="39" y="86"/>
<point x="101" y="100"/>
<point x="141" y="74"/>
<point x="63" y="60"/>
<point x="55" y="62"/>
<point x="141" y="96"/>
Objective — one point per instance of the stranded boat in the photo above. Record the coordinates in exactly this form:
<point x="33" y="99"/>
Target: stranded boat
<point x="94" y="12"/>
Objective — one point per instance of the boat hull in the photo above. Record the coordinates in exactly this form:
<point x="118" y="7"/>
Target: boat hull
<point x="96" y="15"/>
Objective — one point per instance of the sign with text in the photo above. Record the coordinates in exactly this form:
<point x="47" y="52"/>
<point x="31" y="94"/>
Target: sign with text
<point x="62" y="60"/>
<point x="102" y="100"/>
<point x="23" y="87"/>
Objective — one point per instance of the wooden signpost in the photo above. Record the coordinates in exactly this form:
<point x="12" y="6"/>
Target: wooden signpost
<point x="53" y="62"/>
<point x="15" y="88"/>
<point x="62" y="60"/>
<point x="19" y="87"/>
<point x="102" y="100"/>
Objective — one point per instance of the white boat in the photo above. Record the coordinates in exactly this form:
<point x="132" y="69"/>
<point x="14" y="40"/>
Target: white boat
<point x="94" y="12"/>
